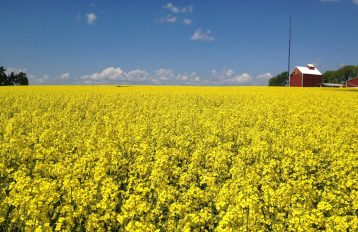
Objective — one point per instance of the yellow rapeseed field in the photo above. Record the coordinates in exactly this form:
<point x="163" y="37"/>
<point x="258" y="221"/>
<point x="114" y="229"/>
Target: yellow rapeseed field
<point x="145" y="158"/>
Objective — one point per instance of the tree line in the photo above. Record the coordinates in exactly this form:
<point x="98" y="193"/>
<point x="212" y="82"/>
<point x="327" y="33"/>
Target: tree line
<point x="13" y="78"/>
<point x="339" y="76"/>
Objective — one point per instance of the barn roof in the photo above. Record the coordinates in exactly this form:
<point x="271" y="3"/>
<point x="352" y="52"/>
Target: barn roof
<point x="352" y="79"/>
<point x="350" y="82"/>
<point x="309" y="70"/>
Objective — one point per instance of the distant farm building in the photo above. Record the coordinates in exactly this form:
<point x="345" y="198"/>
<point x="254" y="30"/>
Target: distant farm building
<point x="352" y="82"/>
<point x="307" y="76"/>
<point x="334" y="85"/>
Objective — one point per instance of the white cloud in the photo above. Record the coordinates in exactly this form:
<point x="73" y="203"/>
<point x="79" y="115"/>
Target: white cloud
<point x="168" y="19"/>
<point x="187" y="78"/>
<point x="65" y="76"/>
<point x="229" y="77"/>
<point x="213" y="73"/>
<point x="353" y="1"/>
<point x="155" y="81"/>
<point x="264" y="76"/>
<point x="109" y="74"/>
<point x="167" y="76"/>
<point x="200" y="35"/>
<point x="164" y="74"/>
<point x="115" y="75"/>
<point x="44" y="80"/>
<point x="187" y="21"/>
<point x="91" y="17"/>
<point x="243" y="78"/>
<point x="137" y="75"/>
<point x="171" y="7"/>
<point x="229" y="73"/>
<point x="33" y="80"/>
<point x="174" y="9"/>
<point x="14" y="70"/>
<point x="261" y="79"/>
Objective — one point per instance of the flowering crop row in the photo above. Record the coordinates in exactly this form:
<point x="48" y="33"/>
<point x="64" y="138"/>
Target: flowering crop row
<point x="141" y="158"/>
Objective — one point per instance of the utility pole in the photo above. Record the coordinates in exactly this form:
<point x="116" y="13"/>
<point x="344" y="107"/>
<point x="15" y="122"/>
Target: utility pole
<point x="289" y="53"/>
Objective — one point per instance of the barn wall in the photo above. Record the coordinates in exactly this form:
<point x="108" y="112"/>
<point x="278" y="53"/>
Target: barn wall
<point x="296" y="79"/>
<point x="353" y="83"/>
<point x="311" y="80"/>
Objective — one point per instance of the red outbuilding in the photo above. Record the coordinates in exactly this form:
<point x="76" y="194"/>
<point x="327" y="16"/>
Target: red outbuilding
<point x="352" y="82"/>
<point x="307" y="76"/>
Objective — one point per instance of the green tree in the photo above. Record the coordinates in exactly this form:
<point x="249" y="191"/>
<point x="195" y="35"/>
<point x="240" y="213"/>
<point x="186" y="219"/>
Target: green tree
<point x="13" y="78"/>
<point x="22" y="79"/>
<point x="279" y="80"/>
<point x="3" y="76"/>
<point x="341" y="75"/>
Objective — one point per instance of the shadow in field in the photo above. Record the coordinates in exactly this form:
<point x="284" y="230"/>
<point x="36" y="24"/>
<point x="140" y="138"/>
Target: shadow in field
<point x="343" y="90"/>
<point x="122" y="86"/>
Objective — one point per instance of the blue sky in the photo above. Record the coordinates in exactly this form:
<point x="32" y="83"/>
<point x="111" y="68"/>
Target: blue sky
<point x="185" y="42"/>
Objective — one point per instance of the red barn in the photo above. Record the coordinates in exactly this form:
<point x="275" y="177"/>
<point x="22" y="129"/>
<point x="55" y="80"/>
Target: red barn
<point x="352" y="82"/>
<point x="307" y="76"/>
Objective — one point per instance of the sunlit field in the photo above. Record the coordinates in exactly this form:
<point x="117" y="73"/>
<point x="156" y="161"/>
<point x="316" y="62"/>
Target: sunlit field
<point x="145" y="158"/>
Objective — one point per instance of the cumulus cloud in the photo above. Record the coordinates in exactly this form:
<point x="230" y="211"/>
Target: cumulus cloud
<point x="261" y="79"/>
<point x="116" y="75"/>
<point x="110" y="74"/>
<point x="228" y="76"/>
<point x="243" y="78"/>
<point x="137" y="75"/>
<point x="65" y="76"/>
<point x="168" y="19"/>
<point x="47" y="79"/>
<point x="44" y="80"/>
<point x="14" y="70"/>
<point x="164" y="74"/>
<point x="174" y="9"/>
<point x="91" y="17"/>
<point x="200" y="35"/>
<point x="167" y="76"/>
<point x="33" y="80"/>
<point x="188" y="77"/>
<point x="264" y="76"/>
<point x="187" y="21"/>
<point x="353" y="1"/>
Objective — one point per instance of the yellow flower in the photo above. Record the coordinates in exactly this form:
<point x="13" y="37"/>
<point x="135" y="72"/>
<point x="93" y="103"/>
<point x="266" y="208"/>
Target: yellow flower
<point x="146" y="158"/>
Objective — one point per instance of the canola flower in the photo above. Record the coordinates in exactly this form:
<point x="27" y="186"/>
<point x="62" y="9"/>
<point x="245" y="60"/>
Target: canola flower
<point x="145" y="158"/>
